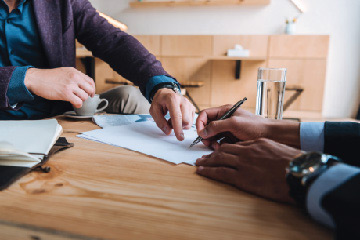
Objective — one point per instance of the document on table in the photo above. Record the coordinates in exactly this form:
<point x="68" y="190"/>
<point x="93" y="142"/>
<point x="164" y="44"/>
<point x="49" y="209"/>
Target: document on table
<point x="111" y="120"/>
<point x="105" y="121"/>
<point x="147" y="138"/>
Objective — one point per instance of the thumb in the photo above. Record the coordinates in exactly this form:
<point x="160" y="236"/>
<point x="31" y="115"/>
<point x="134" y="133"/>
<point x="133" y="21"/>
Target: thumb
<point x="217" y="127"/>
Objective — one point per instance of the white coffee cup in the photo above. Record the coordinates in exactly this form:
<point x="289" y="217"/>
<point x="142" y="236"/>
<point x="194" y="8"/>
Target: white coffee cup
<point x="90" y="106"/>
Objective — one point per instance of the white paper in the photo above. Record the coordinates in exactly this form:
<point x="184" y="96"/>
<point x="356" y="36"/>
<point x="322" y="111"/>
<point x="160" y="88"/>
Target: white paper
<point x="105" y="121"/>
<point x="147" y="138"/>
<point x="111" y="120"/>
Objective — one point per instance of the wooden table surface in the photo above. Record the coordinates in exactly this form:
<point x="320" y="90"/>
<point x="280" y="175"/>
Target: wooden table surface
<point x="97" y="191"/>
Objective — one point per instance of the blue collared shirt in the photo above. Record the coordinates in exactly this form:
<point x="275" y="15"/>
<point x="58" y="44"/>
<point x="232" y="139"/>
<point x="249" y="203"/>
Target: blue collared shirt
<point x="20" y="46"/>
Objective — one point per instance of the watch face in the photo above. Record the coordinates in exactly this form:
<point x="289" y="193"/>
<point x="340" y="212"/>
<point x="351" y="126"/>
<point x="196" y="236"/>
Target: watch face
<point x="306" y="164"/>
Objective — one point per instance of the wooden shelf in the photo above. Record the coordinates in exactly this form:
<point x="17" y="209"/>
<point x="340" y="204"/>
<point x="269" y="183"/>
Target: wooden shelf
<point x="220" y="58"/>
<point x="238" y="62"/>
<point x="198" y="3"/>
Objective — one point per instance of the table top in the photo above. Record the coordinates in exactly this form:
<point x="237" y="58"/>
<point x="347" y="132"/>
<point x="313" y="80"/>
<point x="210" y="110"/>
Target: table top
<point x="97" y="191"/>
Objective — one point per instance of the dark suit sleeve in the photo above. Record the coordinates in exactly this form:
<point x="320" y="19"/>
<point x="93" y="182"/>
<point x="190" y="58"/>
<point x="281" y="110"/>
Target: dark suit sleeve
<point x="343" y="206"/>
<point x="342" y="139"/>
<point x="122" y="52"/>
<point x="5" y="76"/>
<point x="333" y="200"/>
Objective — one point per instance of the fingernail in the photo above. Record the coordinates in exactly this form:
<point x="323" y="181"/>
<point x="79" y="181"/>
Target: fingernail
<point x="204" y="133"/>
<point x="200" y="168"/>
<point x="165" y="129"/>
<point x="182" y="136"/>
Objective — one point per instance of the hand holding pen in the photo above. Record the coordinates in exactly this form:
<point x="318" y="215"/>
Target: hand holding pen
<point x="214" y="114"/>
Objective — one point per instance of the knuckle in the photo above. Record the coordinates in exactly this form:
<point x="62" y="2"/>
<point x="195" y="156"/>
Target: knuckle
<point x="178" y="117"/>
<point x="233" y="121"/>
<point x="223" y="147"/>
<point x="220" y="171"/>
<point x="213" y="125"/>
<point x="73" y="75"/>
<point x="172" y="97"/>
<point x="262" y="140"/>
<point x="68" y="89"/>
<point x="186" y="123"/>
<point x="215" y="154"/>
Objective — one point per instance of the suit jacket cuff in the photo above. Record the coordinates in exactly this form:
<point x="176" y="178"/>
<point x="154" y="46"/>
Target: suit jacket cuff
<point x="328" y="181"/>
<point x="312" y="136"/>
<point x="17" y="91"/>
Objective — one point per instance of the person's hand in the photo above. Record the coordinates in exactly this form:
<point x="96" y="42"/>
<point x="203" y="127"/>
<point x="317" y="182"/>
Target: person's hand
<point x="181" y="111"/>
<point x="66" y="84"/>
<point x="258" y="167"/>
<point x="242" y="126"/>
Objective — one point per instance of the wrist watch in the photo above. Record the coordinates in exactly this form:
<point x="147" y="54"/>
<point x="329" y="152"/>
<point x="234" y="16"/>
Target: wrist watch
<point x="304" y="170"/>
<point x="168" y="85"/>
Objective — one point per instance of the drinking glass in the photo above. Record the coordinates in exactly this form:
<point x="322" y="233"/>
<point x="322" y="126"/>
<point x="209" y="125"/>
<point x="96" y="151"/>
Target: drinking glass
<point x="270" y="92"/>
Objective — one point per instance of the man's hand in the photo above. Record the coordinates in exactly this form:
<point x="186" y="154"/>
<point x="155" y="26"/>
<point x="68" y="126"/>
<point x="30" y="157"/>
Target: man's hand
<point x="66" y="84"/>
<point x="243" y="126"/>
<point x="181" y="111"/>
<point x="258" y="167"/>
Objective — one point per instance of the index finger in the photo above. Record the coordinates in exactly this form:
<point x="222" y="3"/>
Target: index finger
<point x="176" y="118"/>
<point x="209" y="115"/>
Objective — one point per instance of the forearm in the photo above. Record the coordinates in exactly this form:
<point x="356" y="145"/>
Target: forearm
<point x="285" y="132"/>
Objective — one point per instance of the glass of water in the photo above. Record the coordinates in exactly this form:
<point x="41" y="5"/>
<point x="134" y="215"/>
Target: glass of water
<point x="270" y="92"/>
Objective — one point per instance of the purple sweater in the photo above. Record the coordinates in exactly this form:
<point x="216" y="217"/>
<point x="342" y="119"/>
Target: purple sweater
<point x="60" y="22"/>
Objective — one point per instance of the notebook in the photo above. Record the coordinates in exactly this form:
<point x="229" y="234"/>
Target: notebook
<point x="25" y="145"/>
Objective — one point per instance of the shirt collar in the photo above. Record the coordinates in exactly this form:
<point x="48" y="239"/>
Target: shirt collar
<point x="20" y="6"/>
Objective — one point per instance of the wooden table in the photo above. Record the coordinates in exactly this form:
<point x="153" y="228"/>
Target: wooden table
<point x="97" y="191"/>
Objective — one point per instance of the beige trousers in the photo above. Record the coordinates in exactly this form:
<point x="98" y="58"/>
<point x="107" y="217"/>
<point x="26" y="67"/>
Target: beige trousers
<point x="126" y="100"/>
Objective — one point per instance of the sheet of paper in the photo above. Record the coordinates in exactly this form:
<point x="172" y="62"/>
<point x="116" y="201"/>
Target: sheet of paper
<point x="147" y="138"/>
<point x="111" y="120"/>
<point x="104" y="121"/>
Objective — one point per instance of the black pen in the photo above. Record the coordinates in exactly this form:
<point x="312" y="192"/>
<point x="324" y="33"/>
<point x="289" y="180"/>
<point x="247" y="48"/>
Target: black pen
<point x="226" y="115"/>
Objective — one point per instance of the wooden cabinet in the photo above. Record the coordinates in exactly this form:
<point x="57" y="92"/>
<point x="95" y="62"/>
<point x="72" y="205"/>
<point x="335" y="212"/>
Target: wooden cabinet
<point x="152" y="43"/>
<point x="257" y="44"/>
<point x="308" y="74"/>
<point x="225" y="89"/>
<point x="186" y="46"/>
<point x="299" y="46"/>
<point x="305" y="58"/>
<point x="191" y="70"/>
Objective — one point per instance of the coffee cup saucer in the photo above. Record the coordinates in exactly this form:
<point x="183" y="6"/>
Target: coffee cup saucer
<point x="72" y="114"/>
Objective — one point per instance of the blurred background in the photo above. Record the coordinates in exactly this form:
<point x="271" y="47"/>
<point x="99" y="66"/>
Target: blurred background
<point x="317" y="41"/>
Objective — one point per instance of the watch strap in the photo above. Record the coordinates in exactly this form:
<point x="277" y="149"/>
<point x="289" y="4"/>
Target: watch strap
<point x="299" y="188"/>
<point x="169" y="85"/>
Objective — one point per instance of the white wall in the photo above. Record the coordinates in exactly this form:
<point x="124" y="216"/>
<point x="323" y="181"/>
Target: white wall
<point x="338" y="18"/>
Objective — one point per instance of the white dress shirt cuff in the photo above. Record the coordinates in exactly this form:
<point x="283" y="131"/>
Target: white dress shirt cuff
<point x="312" y="136"/>
<point x="328" y="181"/>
